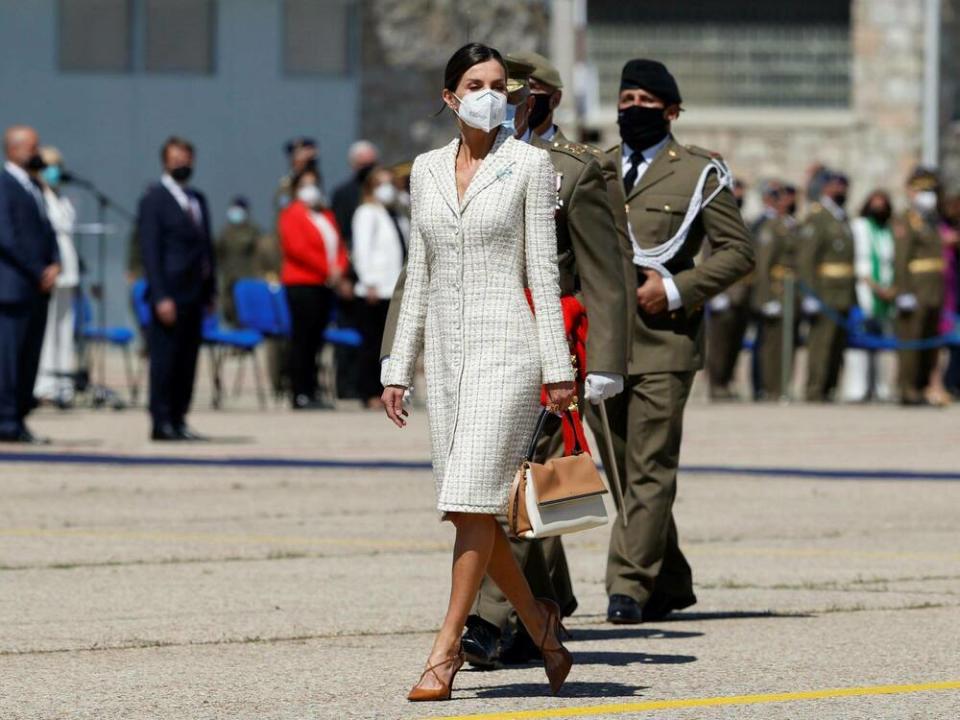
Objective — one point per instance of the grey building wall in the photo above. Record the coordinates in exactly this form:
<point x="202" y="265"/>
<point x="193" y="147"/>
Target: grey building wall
<point x="110" y="126"/>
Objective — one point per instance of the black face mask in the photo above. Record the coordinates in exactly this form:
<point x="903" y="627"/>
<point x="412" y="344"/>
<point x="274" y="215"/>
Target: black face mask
<point x="840" y="199"/>
<point x="739" y="201"/>
<point x="792" y="209"/>
<point x="641" y="127"/>
<point x="35" y="163"/>
<point x="881" y="217"/>
<point x="540" y="111"/>
<point x="181" y="174"/>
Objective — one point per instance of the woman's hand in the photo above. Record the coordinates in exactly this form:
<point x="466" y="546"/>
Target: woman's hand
<point x="393" y="403"/>
<point x="560" y="395"/>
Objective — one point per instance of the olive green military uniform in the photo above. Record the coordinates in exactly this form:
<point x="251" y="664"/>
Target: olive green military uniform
<point x="776" y="246"/>
<point x="591" y="265"/>
<point x="726" y="329"/>
<point x="825" y="265"/>
<point x="236" y="249"/>
<point x="917" y="270"/>
<point x="667" y="350"/>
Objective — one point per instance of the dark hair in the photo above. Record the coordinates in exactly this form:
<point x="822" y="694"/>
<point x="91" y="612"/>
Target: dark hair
<point x="368" y="180"/>
<point x="465" y="58"/>
<point x="175" y="141"/>
<point x="309" y="170"/>
<point x="882" y="194"/>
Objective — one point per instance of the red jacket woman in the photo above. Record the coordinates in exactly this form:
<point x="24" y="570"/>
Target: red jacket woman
<point x="314" y="261"/>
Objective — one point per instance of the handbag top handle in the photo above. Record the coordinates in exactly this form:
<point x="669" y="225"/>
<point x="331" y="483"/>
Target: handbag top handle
<point x="538" y="430"/>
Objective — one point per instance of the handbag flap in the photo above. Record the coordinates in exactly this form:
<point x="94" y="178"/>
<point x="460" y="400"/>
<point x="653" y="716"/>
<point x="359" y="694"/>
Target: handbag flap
<point x="517" y="519"/>
<point x="566" y="478"/>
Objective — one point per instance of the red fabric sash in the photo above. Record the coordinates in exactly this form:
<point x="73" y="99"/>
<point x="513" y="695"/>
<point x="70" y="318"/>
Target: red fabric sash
<point x="576" y="326"/>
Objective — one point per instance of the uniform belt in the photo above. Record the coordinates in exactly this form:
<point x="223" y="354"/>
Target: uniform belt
<point x="837" y="271"/>
<point x="779" y="272"/>
<point x="926" y="265"/>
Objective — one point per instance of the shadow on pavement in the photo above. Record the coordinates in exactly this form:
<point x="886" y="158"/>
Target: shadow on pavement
<point x="570" y="690"/>
<point x="623" y="632"/>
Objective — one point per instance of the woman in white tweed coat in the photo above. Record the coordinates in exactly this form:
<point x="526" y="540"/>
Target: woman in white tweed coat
<point x="482" y="229"/>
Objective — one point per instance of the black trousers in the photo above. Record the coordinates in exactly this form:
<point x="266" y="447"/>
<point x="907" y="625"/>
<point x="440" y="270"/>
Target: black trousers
<point x="349" y="380"/>
<point x="373" y="319"/>
<point x="173" y="364"/>
<point x="309" y="315"/>
<point x="21" y="340"/>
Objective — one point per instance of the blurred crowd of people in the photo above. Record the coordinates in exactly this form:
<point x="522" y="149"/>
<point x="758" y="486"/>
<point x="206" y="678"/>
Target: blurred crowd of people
<point x="870" y="293"/>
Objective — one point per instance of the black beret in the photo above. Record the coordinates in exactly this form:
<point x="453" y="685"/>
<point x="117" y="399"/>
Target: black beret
<point x="652" y="76"/>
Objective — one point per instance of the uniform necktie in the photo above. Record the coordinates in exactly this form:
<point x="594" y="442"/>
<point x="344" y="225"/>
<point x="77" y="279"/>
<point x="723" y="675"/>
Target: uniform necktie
<point x="630" y="179"/>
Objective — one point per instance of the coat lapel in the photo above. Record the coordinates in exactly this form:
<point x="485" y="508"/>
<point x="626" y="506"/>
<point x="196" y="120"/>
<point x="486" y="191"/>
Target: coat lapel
<point x="661" y="167"/>
<point x="494" y="166"/>
<point x="444" y="171"/>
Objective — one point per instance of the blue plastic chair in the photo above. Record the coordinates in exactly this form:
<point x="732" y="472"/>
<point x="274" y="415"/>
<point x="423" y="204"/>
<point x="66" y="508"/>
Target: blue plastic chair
<point x="116" y="335"/>
<point x="222" y="341"/>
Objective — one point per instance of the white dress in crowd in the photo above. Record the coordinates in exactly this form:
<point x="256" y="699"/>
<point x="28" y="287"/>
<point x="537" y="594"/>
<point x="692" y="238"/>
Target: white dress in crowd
<point x="486" y="354"/>
<point x="58" y="357"/>
<point x="377" y="250"/>
<point x="865" y="372"/>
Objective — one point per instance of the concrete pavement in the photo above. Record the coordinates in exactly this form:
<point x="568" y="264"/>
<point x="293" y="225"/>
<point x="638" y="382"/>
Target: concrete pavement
<point x="230" y="591"/>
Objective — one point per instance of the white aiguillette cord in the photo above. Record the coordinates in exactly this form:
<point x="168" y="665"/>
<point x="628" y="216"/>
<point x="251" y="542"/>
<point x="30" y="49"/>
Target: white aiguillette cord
<point x="657" y="258"/>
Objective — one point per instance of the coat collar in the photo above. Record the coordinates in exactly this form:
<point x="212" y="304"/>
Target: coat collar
<point x="492" y="168"/>
<point x="662" y="167"/>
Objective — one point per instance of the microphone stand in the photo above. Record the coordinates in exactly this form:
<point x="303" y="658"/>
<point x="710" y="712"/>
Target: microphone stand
<point x="101" y="393"/>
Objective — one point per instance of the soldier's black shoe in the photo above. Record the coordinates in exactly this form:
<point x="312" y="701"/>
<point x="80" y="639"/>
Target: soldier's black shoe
<point x="165" y="432"/>
<point x="519" y="648"/>
<point x="188" y="433"/>
<point x="481" y="643"/>
<point x="623" y="610"/>
<point x="659" y="606"/>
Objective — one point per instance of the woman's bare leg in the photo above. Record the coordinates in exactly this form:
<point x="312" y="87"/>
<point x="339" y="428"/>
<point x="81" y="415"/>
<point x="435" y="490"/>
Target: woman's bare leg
<point x="471" y="555"/>
<point x="504" y="570"/>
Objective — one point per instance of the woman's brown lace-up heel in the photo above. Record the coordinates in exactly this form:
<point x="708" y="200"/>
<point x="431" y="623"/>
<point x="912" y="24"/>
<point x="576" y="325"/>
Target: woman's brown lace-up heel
<point x="452" y="665"/>
<point x="556" y="661"/>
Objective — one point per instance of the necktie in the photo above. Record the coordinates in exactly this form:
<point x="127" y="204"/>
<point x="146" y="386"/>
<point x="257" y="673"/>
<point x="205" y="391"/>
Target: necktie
<point x="630" y="179"/>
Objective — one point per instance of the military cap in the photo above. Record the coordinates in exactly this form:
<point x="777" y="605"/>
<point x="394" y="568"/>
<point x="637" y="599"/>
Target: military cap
<point x="518" y="72"/>
<point x="923" y="178"/>
<point x="543" y="70"/>
<point x="652" y="76"/>
<point x="299" y="142"/>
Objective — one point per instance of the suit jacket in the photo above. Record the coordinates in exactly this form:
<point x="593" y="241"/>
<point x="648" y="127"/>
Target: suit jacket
<point x="177" y="253"/>
<point x="28" y="243"/>
<point x="656" y="205"/>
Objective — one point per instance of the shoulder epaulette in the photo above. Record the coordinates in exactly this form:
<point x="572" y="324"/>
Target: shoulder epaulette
<point x="577" y="150"/>
<point x="815" y="208"/>
<point x="703" y="152"/>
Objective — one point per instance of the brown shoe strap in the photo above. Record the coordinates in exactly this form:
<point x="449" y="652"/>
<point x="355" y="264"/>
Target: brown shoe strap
<point x="433" y="668"/>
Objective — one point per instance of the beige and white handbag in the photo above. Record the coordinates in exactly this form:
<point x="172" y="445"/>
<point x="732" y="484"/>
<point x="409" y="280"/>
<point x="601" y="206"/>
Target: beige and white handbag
<point x="562" y="495"/>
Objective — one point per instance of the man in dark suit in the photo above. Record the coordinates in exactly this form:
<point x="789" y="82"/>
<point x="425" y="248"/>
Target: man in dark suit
<point x="29" y="265"/>
<point x="174" y="229"/>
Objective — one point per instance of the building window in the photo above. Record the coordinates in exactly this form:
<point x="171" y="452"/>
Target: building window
<point x="730" y="52"/>
<point x="94" y="35"/>
<point x="180" y="36"/>
<point x="316" y="37"/>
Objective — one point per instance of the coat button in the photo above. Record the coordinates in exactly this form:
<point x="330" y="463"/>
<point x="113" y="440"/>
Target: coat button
<point x="666" y="207"/>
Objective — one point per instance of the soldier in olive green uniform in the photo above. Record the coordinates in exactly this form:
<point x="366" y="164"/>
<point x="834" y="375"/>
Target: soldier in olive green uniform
<point x="727" y="321"/>
<point x="776" y="261"/>
<point x="236" y="249"/>
<point x="647" y="574"/>
<point x="590" y="257"/>
<point x="918" y="277"/>
<point x="825" y="266"/>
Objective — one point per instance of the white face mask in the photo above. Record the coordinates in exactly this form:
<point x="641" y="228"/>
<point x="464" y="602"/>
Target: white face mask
<point x="236" y="214"/>
<point x="925" y="201"/>
<point x="483" y="109"/>
<point x="310" y="195"/>
<point x="385" y="193"/>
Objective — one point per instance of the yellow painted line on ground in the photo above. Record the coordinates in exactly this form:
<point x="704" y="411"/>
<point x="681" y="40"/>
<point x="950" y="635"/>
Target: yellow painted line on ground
<point x="638" y="707"/>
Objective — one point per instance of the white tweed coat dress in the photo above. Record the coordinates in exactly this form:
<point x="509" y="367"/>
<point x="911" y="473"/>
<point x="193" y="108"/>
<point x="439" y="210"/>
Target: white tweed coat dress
<point x="485" y="353"/>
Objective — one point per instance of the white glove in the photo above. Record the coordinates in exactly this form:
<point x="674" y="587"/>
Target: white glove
<point x="720" y="303"/>
<point x="906" y="302"/>
<point x="772" y="309"/>
<point x="811" y="306"/>
<point x="602" y="386"/>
